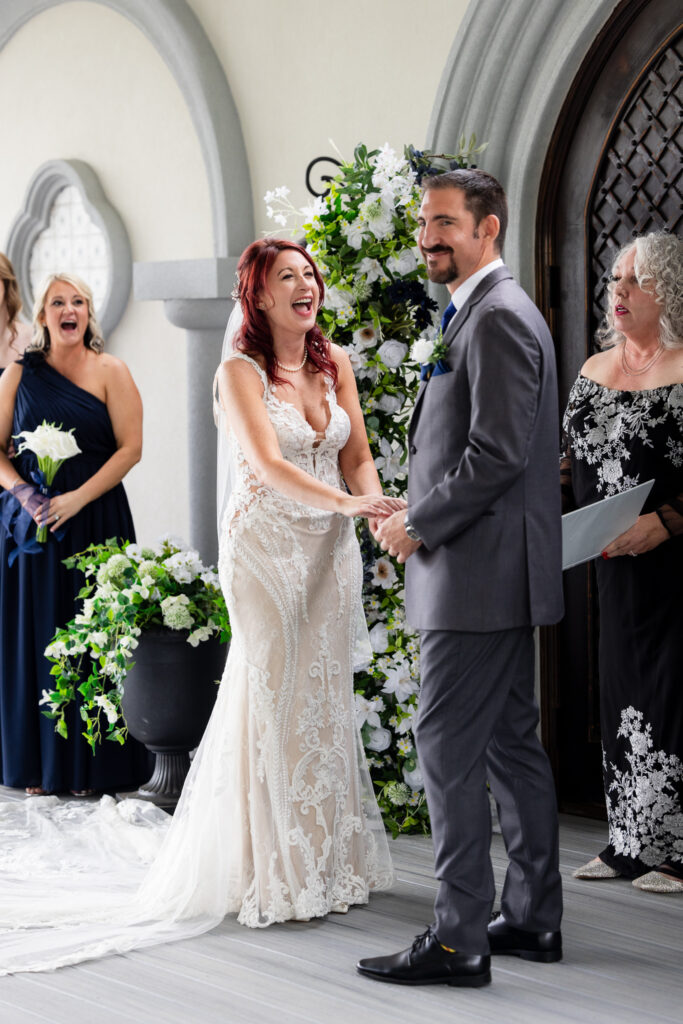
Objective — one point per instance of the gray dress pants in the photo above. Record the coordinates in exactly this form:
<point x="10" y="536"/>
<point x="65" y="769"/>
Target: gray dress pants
<point x="477" y="722"/>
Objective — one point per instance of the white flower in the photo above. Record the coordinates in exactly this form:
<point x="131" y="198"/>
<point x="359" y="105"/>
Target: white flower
<point x="388" y="462"/>
<point x="377" y="211"/>
<point x="175" y="613"/>
<point x="402" y="685"/>
<point x="199" y="635"/>
<point x="47" y="699"/>
<point x="404" y="745"/>
<point x="313" y="212"/>
<point x="415" y="778"/>
<point x="422" y="350"/>
<point x="368" y="711"/>
<point x="383" y="573"/>
<point x="379" y="638"/>
<point x="403" y="263"/>
<point x="372" y="269"/>
<point x="392" y="352"/>
<point x="109" y="709"/>
<point x="354" y="232"/>
<point x="171" y="541"/>
<point x="390" y="403"/>
<point x="99" y="639"/>
<point x="184" y="566"/>
<point x="277" y="193"/>
<point x="356" y="358"/>
<point x="48" y="441"/>
<point x="379" y="740"/>
<point x="611" y="471"/>
<point x="113" y="570"/>
<point x="340" y="300"/>
<point x="365" y="337"/>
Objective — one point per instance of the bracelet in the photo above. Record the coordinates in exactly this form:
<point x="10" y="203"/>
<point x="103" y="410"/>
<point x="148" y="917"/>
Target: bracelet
<point x="660" y="516"/>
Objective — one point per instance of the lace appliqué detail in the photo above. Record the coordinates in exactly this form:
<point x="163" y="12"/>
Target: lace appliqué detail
<point x="645" y="815"/>
<point x="616" y="424"/>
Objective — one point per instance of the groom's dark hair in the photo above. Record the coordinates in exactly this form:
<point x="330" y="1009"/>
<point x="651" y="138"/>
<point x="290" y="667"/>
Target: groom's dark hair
<point x="483" y="195"/>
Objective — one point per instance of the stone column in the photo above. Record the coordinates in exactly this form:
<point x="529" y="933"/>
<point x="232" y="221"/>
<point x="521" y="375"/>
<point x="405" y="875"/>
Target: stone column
<point x="196" y="297"/>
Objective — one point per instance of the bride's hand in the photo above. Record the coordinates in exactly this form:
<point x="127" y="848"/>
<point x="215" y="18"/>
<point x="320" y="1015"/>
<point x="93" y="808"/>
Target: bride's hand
<point x="370" y="506"/>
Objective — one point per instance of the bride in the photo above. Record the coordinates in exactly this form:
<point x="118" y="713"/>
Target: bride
<point x="278" y="819"/>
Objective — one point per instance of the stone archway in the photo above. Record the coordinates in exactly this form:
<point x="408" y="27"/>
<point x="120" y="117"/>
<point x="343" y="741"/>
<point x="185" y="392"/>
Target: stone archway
<point x="508" y="74"/>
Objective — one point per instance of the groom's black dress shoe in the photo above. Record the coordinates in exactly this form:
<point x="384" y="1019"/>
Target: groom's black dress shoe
<point x="543" y="947"/>
<point x="428" y="963"/>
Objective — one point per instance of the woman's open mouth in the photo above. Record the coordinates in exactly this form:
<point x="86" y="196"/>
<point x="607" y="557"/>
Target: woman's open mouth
<point x="68" y="325"/>
<point x="302" y="306"/>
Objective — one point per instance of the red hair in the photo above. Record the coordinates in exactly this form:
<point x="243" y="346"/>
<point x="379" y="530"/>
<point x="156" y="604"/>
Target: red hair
<point x="254" y="335"/>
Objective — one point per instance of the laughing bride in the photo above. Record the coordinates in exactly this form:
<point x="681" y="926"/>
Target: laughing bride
<point x="278" y="819"/>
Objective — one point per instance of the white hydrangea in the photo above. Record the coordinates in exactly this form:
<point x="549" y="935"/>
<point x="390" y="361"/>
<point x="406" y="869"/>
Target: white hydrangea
<point x="175" y="612"/>
<point x="184" y="566"/>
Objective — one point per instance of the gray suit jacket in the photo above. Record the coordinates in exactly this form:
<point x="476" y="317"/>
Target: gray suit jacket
<point x="483" y="482"/>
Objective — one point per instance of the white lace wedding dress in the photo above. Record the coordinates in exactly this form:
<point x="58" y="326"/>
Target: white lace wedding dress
<point x="278" y="819"/>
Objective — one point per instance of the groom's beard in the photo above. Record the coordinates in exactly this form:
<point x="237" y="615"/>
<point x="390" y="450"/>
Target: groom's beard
<point x="446" y="274"/>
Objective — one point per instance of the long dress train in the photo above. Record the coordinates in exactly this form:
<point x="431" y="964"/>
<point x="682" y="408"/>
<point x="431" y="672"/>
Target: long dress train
<point x="278" y="818"/>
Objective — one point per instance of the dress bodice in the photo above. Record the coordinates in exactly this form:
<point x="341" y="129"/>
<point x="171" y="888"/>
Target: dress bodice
<point x="317" y="454"/>
<point x="618" y="439"/>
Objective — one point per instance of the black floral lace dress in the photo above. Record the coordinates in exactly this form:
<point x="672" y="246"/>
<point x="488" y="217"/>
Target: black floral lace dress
<point x="614" y="440"/>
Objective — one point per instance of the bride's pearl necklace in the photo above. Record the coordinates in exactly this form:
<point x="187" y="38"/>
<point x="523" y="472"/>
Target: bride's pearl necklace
<point x="294" y="369"/>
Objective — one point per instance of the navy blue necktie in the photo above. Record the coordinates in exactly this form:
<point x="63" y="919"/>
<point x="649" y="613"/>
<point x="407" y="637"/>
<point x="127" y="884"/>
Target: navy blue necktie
<point x="448" y="314"/>
<point x="428" y="370"/>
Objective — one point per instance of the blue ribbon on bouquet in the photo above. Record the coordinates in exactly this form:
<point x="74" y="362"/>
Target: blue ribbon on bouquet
<point x="17" y="521"/>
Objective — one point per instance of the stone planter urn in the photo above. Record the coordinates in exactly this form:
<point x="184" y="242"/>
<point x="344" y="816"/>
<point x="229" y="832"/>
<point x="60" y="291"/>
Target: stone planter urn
<point x="168" y="696"/>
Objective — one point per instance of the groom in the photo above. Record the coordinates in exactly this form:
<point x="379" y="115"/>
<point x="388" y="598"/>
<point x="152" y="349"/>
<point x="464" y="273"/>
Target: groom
<point x="481" y="536"/>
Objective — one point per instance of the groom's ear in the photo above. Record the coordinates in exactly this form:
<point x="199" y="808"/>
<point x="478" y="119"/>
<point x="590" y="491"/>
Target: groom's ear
<point x="489" y="227"/>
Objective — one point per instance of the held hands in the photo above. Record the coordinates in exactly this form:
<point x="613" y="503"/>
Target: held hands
<point x="391" y="535"/>
<point x="646" y="533"/>
<point x="54" y="512"/>
<point x="371" y="506"/>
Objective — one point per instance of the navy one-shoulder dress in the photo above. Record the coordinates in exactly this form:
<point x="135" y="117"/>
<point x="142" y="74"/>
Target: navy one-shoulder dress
<point x="38" y="593"/>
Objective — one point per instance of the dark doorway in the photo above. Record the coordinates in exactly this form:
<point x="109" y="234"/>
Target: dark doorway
<point x="613" y="171"/>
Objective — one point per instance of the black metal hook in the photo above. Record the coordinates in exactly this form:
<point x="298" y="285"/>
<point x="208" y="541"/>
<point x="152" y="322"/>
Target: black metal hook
<point x="323" y="177"/>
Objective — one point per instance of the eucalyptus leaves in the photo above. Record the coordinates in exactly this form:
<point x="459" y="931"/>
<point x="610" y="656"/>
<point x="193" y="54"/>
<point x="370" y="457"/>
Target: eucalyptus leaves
<point x="362" y="235"/>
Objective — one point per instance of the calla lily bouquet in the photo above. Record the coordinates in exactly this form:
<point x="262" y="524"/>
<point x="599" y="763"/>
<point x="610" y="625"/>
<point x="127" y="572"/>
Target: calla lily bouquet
<point x="129" y="588"/>
<point x="52" y="446"/>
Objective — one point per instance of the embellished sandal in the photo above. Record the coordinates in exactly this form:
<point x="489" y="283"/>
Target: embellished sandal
<point x="595" y="871"/>
<point x="659" y="881"/>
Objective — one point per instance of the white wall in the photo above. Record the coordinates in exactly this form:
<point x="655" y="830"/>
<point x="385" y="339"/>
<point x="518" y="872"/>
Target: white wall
<point x="305" y="71"/>
<point x="80" y="81"/>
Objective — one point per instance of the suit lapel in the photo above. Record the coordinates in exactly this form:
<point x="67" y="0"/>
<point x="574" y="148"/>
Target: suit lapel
<point x="482" y="289"/>
<point x="457" y="323"/>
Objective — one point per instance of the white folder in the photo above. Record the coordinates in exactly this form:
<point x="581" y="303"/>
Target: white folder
<point x="587" y="531"/>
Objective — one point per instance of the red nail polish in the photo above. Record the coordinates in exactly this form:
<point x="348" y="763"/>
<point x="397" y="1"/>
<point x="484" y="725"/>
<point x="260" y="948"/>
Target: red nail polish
<point x="605" y="555"/>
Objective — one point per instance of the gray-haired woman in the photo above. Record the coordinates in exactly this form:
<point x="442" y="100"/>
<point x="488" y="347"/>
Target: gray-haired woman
<point x="624" y="425"/>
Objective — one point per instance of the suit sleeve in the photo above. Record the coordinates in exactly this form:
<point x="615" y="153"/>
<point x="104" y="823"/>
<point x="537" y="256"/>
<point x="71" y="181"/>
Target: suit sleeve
<point x="504" y="369"/>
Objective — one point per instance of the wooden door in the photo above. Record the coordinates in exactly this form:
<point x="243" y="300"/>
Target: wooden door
<point x="613" y="171"/>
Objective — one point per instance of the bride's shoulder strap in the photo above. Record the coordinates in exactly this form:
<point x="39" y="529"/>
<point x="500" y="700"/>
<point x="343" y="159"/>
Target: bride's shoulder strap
<point x="252" y="362"/>
<point x="217" y="405"/>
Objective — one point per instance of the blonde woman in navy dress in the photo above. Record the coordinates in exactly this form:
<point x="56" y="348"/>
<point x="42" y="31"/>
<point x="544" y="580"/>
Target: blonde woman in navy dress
<point x="65" y="378"/>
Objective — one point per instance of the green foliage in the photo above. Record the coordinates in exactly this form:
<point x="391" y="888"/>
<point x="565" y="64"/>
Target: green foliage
<point x="129" y="589"/>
